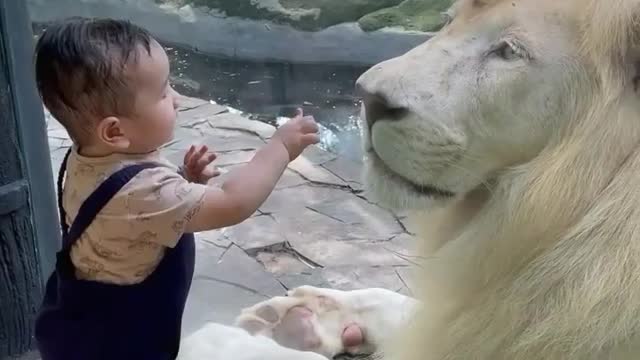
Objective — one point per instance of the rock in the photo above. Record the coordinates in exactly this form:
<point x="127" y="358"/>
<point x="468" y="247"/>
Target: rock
<point x="307" y="15"/>
<point x="239" y="268"/>
<point x="314" y="15"/>
<point x="403" y="245"/>
<point x="309" y="277"/>
<point x="232" y="121"/>
<point x="223" y="160"/>
<point x="255" y="234"/>
<point x="234" y="158"/>
<point x="315" y="31"/>
<point x="333" y="253"/>
<point x="347" y="170"/>
<point x="304" y="225"/>
<point x="199" y="114"/>
<point x="420" y="15"/>
<point x="219" y="140"/>
<point x="297" y="198"/>
<point x="361" y="277"/>
<point x="186" y="102"/>
<point x="408" y="225"/>
<point x="356" y="186"/>
<point x="183" y="138"/>
<point x="408" y="275"/>
<point x="288" y="179"/>
<point x="317" y="156"/>
<point x="281" y="262"/>
<point x="332" y="12"/>
<point x="215" y="238"/>
<point x="316" y="174"/>
<point x="356" y="211"/>
<point x="208" y="253"/>
<point x="222" y="287"/>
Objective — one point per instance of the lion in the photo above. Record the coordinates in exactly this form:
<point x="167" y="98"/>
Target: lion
<point x="513" y="136"/>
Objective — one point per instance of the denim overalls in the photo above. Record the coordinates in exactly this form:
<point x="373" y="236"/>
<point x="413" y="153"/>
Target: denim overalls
<point x="88" y="320"/>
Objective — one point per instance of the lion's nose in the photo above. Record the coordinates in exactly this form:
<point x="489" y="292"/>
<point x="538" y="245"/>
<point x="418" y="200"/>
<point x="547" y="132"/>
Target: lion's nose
<point x="378" y="107"/>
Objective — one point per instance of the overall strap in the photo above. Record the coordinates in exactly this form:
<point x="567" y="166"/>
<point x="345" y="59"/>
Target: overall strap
<point x="61" y="212"/>
<point x="96" y="201"/>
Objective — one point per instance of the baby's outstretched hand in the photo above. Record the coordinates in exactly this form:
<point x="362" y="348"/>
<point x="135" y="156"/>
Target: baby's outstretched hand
<point x="298" y="133"/>
<point x="196" y="165"/>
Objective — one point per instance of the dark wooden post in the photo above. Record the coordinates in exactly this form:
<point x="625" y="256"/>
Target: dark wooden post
<point x="29" y="234"/>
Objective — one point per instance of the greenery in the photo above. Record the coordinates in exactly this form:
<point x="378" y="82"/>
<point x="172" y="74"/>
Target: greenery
<point x="334" y="12"/>
<point x="423" y="15"/>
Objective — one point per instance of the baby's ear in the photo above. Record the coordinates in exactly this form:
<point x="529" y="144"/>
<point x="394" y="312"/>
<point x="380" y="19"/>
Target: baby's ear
<point x="110" y="132"/>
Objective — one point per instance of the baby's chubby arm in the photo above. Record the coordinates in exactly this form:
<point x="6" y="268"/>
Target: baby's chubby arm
<point x="249" y="186"/>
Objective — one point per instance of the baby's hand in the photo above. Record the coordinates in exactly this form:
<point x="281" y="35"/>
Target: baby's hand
<point x="196" y="165"/>
<point x="298" y="133"/>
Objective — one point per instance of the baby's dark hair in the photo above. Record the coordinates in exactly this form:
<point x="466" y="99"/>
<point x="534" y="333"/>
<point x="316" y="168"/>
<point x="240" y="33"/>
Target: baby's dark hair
<point x="81" y="68"/>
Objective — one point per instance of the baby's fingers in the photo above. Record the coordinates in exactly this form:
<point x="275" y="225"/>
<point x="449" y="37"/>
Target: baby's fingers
<point x="309" y="125"/>
<point x="309" y="139"/>
<point x="202" y="163"/>
<point x="205" y="160"/>
<point x="203" y="150"/>
<point x="197" y="156"/>
<point x="188" y="155"/>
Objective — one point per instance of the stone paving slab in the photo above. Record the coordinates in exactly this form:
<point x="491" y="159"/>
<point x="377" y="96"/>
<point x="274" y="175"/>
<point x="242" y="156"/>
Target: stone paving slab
<point x="345" y="169"/>
<point x="225" y="283"/>
<point x="317" y="228"/>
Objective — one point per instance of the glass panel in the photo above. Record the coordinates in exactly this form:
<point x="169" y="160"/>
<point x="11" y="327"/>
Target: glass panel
<point x="261" y="59"/>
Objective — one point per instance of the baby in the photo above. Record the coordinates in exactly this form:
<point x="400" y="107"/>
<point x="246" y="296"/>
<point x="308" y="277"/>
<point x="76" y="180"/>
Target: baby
<point x="128" y="215"/>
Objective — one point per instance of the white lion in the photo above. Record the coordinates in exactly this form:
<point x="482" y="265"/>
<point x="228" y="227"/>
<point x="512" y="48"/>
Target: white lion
<point x="518" y="128"/>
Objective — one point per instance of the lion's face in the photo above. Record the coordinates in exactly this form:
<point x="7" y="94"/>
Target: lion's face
<point x="485" y="94"/>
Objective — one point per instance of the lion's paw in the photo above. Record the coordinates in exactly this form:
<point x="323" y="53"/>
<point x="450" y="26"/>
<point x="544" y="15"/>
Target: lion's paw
<point x="307" y="290"/>
<point x="309" y="319"/>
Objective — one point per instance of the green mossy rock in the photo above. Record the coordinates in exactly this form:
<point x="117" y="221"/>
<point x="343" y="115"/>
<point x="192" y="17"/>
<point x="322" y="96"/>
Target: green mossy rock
<point x="420" y="15"/>
<point x="314" y="15"/>
<point x="332" y="12"/>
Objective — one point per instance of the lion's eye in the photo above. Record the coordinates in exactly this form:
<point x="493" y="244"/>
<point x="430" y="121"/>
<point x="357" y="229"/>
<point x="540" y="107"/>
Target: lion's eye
<point x="508" y="51"/>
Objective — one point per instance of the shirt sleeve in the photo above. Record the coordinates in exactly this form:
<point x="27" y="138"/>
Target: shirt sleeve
<point x="159" y="202"/>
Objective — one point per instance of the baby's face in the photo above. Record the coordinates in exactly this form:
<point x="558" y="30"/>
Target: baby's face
<point x="153" y="121"/>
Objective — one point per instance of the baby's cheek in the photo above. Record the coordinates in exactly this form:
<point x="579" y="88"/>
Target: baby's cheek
<point x="167" y="116"/>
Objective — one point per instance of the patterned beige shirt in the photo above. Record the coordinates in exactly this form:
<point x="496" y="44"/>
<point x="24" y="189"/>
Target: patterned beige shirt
<point x="127" y="240"/>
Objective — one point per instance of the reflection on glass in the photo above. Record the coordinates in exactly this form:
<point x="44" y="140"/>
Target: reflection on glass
<point x="267" y="57"/>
